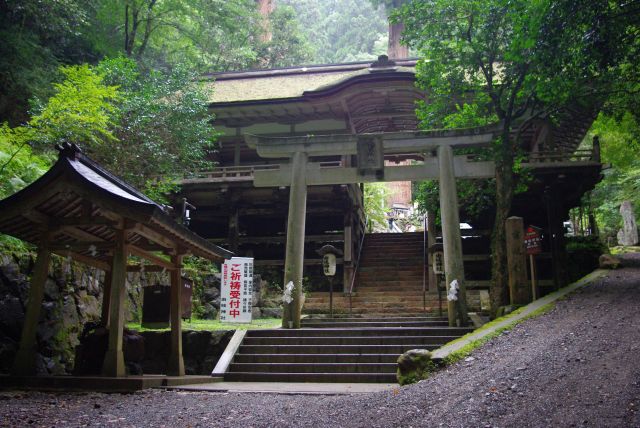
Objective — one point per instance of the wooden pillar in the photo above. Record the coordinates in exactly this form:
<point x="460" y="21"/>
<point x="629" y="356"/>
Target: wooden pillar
<point x="294" y="256"/>
<point x="451" y="239"/>
<point x="236" y="146"/>
<point x="234" y="233"/>
<point x="347" y="266"/>
<point x="519" y="289"/>
<point x="114" y="359"/>
<point x="431" y="239"/>
<point x="25" y="359"/>
<point x="176" y="362"/>
<point x="106" y="299"/>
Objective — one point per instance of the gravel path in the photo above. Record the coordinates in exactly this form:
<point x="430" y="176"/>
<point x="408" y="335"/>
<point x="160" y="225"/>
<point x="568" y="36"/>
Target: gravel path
<point x="575" y="366"/>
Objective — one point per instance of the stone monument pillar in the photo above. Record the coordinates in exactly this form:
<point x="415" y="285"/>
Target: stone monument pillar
<point x="628" y="235"/>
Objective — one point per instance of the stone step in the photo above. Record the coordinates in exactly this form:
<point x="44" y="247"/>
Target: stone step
<point x="392" y="236"/>
<point x="394" y="349"/>
<point x="387" y="262"/>
<point x="370" y="298"/>
<point x="311" y="377"/>
<point x="378" y="306"/>
<point x="316" y="358"/>
<point x="314" y="368"/>
<point x="391" y="312"/>
<point x="360" y="332"/>
<point x="384" y="324"/>
<point x="420" y="317"/>
<point x="346" y="340"/>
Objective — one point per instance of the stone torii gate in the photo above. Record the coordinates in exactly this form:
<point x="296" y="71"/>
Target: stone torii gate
<point x="370" y="151"/>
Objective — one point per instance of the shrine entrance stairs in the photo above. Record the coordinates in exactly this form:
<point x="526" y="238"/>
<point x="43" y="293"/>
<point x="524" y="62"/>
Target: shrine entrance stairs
<point x="388" y="318"/>
<point x="336" y="349"/>
<point x="388" y="281"/>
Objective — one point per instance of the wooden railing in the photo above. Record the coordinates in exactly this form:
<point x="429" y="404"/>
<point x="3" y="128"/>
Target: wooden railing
<point x="587" y="155"/>
<point x="246" y="172"/>
<point x="240" y="173"/>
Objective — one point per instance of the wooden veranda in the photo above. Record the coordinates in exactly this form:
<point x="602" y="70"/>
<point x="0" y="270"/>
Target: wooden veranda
<point x="80" y="210"/>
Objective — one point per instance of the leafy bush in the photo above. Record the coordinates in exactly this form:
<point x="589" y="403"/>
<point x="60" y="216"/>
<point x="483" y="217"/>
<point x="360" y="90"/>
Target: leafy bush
<point x="583" y="253"/>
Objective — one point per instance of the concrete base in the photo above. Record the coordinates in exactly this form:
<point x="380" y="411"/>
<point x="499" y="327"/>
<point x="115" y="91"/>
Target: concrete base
<point x="100" y="383"/>
<point x="290" y="388"/>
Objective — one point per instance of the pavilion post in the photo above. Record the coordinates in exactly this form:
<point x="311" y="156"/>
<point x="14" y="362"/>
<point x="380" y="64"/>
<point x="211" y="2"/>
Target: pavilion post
<point x="451" y="239"/>
<point x="176" y="362"/>
<point x="25" y="359"/>
<point x="106" y="300"/>
<point x="294" y="256"/>
<point x="114" y="359"/>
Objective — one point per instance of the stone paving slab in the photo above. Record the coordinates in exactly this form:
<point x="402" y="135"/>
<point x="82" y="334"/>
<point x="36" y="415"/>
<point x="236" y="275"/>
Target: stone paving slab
<point x="289" y="388"/>
<point x="99" y="383"/>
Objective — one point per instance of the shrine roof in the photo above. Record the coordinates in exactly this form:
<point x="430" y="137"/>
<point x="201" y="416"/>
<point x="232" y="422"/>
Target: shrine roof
<point x="81" y="205"/>
<point x="293" y="82"/>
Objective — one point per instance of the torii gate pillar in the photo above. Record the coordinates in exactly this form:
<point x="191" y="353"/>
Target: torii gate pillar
<point x="294" y="256"/>
<point x="451" y="239"/>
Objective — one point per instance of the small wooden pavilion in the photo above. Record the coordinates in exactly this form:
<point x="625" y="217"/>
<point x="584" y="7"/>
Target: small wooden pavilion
<point x="80" y="210"/>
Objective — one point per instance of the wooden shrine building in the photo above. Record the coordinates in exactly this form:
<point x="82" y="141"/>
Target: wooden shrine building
<point x="80" y="210"/>
<point x="355" y="99"/>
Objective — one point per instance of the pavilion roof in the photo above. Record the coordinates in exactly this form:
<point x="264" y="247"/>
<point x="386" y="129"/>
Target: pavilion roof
<point x="81" y="205"/>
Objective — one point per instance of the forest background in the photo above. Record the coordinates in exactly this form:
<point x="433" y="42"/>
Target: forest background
<point x="120" y="78"/>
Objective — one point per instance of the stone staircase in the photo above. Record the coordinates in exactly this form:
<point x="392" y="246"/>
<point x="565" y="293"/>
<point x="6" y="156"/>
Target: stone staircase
<point x="336" y="349"/>
<point x="388" y="281"/>
<point x="388" y="319"/>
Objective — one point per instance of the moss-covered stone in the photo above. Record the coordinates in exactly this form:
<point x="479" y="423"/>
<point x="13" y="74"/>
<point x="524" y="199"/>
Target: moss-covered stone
<point x="414" y="365"/>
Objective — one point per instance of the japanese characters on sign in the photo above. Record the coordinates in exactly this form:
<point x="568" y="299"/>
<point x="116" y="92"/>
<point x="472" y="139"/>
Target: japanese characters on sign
<point x="533" y="240"/>
<point x="236" y="291"/>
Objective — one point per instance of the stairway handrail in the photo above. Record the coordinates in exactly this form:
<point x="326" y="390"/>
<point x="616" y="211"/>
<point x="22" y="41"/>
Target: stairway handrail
<point x="425" y="262"/>
<point x="355" y="269"/>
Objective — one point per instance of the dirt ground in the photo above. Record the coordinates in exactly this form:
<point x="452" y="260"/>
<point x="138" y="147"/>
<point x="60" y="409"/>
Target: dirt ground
<point x="577" y="365"/>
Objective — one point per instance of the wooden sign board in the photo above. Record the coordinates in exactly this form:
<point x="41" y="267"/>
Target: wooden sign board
<point x="533" y="240"/>
<point x="370" y="156"/>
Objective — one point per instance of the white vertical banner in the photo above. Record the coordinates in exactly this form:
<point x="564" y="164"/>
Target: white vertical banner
<point x="236" y="290"/>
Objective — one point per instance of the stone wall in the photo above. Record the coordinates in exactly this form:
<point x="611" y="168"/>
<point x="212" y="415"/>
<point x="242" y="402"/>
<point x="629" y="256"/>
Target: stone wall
<point x="72" y="297"/>
<point x="73" y="300"/>
<point x="147" y="352"/>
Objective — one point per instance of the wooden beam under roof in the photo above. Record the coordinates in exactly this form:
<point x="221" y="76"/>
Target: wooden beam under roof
<point x="150" y="234"/>
<point x="156" y="260"/>
<point x="93" y="262"/>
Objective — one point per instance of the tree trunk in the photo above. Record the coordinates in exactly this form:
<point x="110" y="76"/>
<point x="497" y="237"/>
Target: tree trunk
<point x="504" y="196"/>
<point x="265" y="8"/>
<point x="395" y="50"/>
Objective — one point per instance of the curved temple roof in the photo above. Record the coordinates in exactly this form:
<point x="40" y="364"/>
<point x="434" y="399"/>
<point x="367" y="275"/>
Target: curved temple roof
<point x="81" y="205"/>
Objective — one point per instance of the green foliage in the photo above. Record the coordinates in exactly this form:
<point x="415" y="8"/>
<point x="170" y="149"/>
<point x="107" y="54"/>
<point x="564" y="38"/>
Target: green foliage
<point x="513" y="59"/>
<point x="476" y="199"/>
<point x="19" y="166"/>
<point x="197" y="269"/>
<point x="583" y="254"/>
<point x="213" y="325"/>
<point x="620" y="147"/>
<point x="342" y="30"/>
<point x="375" y="205"/>
<point x="81" y="110"/>
<point x="37" y="37"/>
<point x="138" y="124"/>
<point x="288" y="45"/>
<point x="162" y="123"/>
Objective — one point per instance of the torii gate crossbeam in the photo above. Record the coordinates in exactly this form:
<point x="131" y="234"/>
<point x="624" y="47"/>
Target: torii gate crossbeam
<point x="370" y="150"/>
